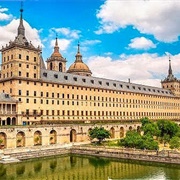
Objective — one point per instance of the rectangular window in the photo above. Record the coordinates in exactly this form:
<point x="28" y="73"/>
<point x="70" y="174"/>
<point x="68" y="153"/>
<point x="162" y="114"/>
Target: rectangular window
<point x="19" y="64"/>
<point x="47" y="112"/>
<point x="27" y="58"/>
<point x="34" y="93"/>
<point x="19" y="56"/>
<point x="34" y="59"/>
<point x="58" y="112"/>
<point x="34" y="101"/>
<point x="19" y="92"/>
<point x="41" y="112"/>
<point x="27" y="75"/>
<point x="27" y="93"/>
<point x="27" y="100"/>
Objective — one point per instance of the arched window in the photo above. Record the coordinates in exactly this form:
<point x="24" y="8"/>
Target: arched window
<point x="20" y="139"/>
<point x="53" y="137"/>
<point x="51" y="66"/>
<point x="60" y="67"/>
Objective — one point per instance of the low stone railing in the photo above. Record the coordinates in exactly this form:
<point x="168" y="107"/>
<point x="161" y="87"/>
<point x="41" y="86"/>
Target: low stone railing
<point x="133" y="154"/>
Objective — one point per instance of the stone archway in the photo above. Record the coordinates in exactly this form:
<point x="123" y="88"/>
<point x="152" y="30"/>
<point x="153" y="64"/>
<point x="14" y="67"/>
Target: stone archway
<point x="112" y="132"/>
<point x="73" y="135"/>
<point x="121" y="132"/>
<point x="130" y="128"/>
<point x="139" y="129"/>
<point x="37" y="138"/>
<point x="13" y="121"/>
<point x="53" y="137"/>
<point x="20" y="139"/>
<point x="3" y="138"/>
<point x="8" y="121"/>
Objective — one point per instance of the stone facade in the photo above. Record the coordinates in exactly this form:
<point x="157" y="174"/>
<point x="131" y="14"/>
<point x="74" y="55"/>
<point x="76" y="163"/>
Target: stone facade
<point x="53" y="95"/>
<point x="46" y="135"/>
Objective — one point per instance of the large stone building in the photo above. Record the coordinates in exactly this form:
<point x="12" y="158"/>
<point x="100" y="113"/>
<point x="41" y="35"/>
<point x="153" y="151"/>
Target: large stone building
<point x="52" y="94"/>
<point x="69" y="102"/>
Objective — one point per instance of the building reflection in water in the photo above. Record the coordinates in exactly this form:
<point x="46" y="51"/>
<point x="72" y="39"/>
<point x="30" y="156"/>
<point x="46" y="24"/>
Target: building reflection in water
<point x="86" y="168"/>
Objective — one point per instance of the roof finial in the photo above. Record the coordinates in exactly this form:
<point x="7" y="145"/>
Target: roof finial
<point x="78" y="47"/>
<point x="170" y="69"/>
<point x="56" y="43"/>
<point x="21" y="29"/>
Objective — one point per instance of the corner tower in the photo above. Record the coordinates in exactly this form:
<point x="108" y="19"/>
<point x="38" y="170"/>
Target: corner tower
<point x="171" y="82"/>
<point x="56" y="62"/>
<point x="79" y="67"/>
<point x="20" y="59"/>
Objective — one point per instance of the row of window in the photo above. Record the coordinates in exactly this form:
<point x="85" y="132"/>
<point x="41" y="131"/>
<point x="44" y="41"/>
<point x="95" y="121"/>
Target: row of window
<point x="103" y="104"/>
<point x="101" y="113"/>
<point x="19" y="57"/>
<point x="98" y="98"/>
<point x="94" y="89"/>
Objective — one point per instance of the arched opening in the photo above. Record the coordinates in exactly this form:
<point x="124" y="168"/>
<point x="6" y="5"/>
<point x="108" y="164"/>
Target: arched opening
<point x="20" y="139"/>
<point x="51" y="66"/>
<point x="60" y="67"/>
<point x="112" y="132"/>
<point x="73" y="135"/>
<point x="53" y="137"/>
<point x="3" y="138"/>
<point x="139" y="129"/>
<point x="8" y="121"/>
<point x="121" y="132"/>
<point x="130" y="128"/>
<point x="13" y="121"/>
<point x="37" y="138"/>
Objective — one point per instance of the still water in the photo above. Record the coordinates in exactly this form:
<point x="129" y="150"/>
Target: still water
<point x="87" y="168"/>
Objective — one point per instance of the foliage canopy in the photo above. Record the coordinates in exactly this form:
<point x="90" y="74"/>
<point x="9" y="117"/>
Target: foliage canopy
<point x="99" y="133"/>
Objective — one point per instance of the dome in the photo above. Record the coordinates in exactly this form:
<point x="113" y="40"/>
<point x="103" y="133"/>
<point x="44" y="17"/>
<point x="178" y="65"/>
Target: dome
<point x="78" y="67"/>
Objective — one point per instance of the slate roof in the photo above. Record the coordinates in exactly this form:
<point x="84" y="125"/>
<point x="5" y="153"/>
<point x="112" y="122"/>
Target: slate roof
<point x="94" y="82"/>
<point x="4" y="97"/>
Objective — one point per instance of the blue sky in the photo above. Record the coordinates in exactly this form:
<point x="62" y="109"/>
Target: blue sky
<point x="118" y="39"/>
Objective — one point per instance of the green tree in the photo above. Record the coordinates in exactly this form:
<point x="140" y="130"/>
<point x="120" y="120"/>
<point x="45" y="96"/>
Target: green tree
<point x="174" y="142"/>
<point x="99" y="133"/>
<point x="168" y="130"/>
<point x="149" y="143"/>
<point x="167" y="127"/>
<point x="134" y="140"/>
<point x="145" y="120"/>
<point x="151" y="129"/>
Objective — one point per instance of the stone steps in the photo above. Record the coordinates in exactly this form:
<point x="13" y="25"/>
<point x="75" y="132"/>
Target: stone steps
<point x="38" y="153"/>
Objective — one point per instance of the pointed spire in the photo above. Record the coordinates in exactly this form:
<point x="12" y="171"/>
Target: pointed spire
<point x="56" y="47"/>
<point x="170" y="69"/>
<point x="78" y="55"/>
<point x="56" y="43"/>
<point x="21" y="29"/>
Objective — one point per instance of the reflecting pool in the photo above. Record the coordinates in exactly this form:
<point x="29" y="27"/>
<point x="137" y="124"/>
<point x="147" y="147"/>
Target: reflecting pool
<point x="87" y="168"/>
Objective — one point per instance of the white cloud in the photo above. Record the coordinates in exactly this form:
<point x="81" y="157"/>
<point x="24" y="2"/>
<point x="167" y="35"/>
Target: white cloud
<point x="62" y="43"/>
<point x="67" y="32"/>
<point x="3" y="15"/>
<point x="159" y="18"/>
<point x="147" y="69"/>
<point x="31" y="34"/>
<point x="141" y="43"/>
<point x="90" y="42"/>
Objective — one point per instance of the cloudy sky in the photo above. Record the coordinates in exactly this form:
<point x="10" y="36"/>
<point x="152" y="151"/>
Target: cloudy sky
<point x="119" y="39"/>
